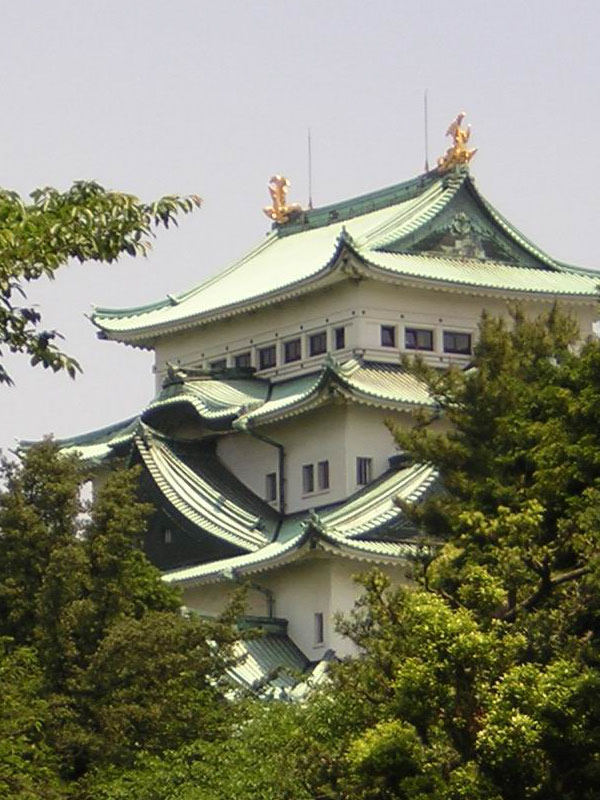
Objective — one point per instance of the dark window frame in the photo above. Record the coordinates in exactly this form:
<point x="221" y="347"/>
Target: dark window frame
<point x="317" y="343"/>
<point x="288" y="357"/>
<point x="416" y="332"/>
<point x="218" y="364"/>
<point x="308" y="478"/>
<point x="247" y="356"/>
<point x="388" y="332"/>
<point x="263" y="361"/>
<point x="323" y="475"/>
<point x="319" y="627"/>
<point x="455" y="348"/>
<point x="364" y="470"/>
<point x="339" y="338"/>
<point x="271" y="487"/>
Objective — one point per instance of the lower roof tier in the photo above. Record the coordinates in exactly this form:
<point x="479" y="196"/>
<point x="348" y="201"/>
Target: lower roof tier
<point x="235" y="400"/>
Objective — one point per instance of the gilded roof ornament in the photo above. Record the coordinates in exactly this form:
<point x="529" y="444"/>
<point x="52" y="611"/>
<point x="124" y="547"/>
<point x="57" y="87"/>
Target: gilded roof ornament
<point x="280" y="211"/>
<point x="458" y="154"/>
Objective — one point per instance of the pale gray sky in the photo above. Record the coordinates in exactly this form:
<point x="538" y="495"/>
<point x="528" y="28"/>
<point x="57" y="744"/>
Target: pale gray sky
<point x="155" y="97"/>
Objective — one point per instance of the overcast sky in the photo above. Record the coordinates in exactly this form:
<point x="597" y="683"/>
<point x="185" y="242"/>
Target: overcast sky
<point x="185" y="96"/>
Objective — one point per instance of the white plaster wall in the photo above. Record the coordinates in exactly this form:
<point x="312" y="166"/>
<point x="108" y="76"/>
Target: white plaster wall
<point x="318" y="583"/>
<point x="336" y="433"/>
<point x="307" y="439"/>
<point x="327" y="308"/>
<point x="318" y="435"/>
<point x="361" y="308"/>
<point x="212" y="599"/>
<point x="367" y="436"/>
<point x="249" y="459"/>
<point x="300" y="590"/>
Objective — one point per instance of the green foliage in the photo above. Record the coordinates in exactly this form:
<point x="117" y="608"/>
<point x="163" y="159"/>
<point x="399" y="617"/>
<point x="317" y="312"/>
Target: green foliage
<point x="28" y="768"/>
<point x="36" y="238"/>
<point x="521" y="465"/>
<point x="116" y="670"/>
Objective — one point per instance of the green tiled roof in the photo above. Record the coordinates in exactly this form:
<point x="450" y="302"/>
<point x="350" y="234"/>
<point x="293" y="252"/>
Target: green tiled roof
<point x="374" y="509"/>
<point x="344" y="529"/>
<point x="387" y="385"/>
<point x="303" y="255"/>
<point x="484" y="274"/>
<point x="239" y="403"/>
<point x="213" y="398"/>
<point x="269" y="664"/>
<point x="95" y="446"/>
<point x="197" y="498"/>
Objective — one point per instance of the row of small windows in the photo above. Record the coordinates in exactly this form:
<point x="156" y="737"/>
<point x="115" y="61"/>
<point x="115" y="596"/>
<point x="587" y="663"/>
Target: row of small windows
<point x="423" y="339"/>
<point x="291" y="350"/>
<point x="315" y="477"/>
<point x="316" y="344"/>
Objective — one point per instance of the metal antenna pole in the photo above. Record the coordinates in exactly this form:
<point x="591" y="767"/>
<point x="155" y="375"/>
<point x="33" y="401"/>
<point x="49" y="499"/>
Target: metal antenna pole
<point x="310" y="200"/>
<point x="426" y="132"/>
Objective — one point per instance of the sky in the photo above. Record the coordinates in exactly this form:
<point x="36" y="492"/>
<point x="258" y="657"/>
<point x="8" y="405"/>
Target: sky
<point x="189" y="96"/>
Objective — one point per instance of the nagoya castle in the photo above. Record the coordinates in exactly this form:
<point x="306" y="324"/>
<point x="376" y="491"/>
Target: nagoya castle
<point x="265" y="451"/>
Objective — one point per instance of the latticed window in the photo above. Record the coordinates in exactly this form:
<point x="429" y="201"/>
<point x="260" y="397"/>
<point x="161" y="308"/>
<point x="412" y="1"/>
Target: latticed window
<point x="317" y="343"/>
<point x="267" y="357"/>
<point x="243" y="360"/>
<point x="219" y="364"/>
<point x="292" y="350"/>
<point x="457" y="342"/>
<point x="418" y="339"/>
<point x="388" y="336"/>
<point x="308" y="478"/>
<point x="364" y="470"/>
<point x="339" y="338"/>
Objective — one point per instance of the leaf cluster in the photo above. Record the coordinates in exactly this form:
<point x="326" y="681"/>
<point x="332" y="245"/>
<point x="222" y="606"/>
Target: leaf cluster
<point x="84" y="223"/>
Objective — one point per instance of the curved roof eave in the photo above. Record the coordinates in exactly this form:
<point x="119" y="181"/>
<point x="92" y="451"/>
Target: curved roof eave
<point x="149" y="333"/>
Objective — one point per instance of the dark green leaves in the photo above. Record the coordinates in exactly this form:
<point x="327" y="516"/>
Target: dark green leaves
<point x="86" y="223"/>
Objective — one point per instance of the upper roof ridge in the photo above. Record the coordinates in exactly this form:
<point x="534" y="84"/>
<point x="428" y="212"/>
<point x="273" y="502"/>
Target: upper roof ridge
<point x="361" y="204"/>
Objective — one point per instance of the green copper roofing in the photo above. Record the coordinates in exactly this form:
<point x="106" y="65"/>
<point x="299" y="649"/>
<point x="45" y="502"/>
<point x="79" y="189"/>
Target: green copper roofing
<point x="483" y="274"/>
<point x="238" y="403"/>
<point x="374" y="509"/>
<point x="345" y="530"/>
<point x="213" y="398"/>
<point x="194" y="496"/>
<point x="389" y="232"/>
<point x="384" y="385"/>
<point x="95" y="446"/>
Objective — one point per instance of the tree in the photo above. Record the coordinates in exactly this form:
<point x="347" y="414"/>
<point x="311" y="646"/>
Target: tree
<point x="483" y="683"/>
<point x="86" y="223"/>
<point x="521" y="466"/>
<point x="118" y="669"/>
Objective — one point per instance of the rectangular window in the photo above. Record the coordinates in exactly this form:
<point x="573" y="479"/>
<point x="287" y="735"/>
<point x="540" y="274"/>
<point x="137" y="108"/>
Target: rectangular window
<point x="319" y="628"/>
<point x="323" y="475"/>
<point x="364" y="470"/>
<point x="339" y="338"/>
<point x="308" y="478"/>
<point x="167" y="536"/>
<point x="270" y="487"/>
<point x="388" y="336"/>
<point x="418" y="339"/>
<point x="456" y="342"/>
<point x="317" y="343"/>
<point x="218" y="365"/>
<point x="267" y="357"/>
<point x="243" y="360"/>
<point x="292" y="350"/>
